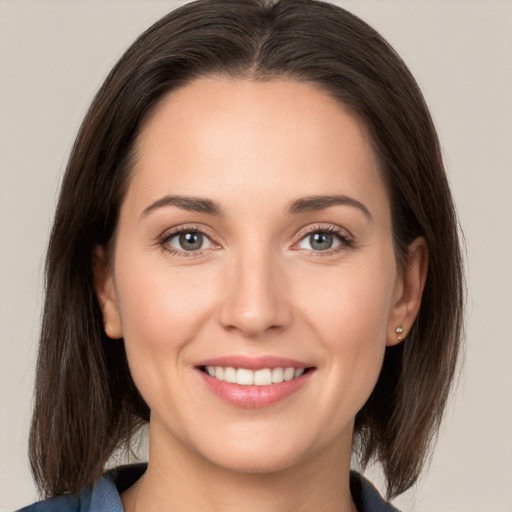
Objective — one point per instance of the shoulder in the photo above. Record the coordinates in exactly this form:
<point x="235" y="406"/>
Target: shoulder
<point x="366" y="497"/>
<point x="104" y="496"/>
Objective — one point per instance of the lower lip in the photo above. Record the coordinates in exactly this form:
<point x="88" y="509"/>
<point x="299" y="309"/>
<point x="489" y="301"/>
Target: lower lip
<point x="254" y="396"/>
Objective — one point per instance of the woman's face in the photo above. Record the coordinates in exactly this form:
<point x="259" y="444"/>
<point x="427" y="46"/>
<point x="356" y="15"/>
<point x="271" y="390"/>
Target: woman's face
<point x="255" y="237"/>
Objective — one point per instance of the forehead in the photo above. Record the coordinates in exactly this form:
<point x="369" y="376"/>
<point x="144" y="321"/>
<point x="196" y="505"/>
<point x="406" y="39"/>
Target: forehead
<point x="277" y="135"/>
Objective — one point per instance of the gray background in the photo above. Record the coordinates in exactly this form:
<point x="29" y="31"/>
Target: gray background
<point x="53" y="57"/>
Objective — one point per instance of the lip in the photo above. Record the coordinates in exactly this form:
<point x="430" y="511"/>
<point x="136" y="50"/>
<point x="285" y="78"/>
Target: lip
<point x="254" y="363"/>
<point x="253" y="397"/>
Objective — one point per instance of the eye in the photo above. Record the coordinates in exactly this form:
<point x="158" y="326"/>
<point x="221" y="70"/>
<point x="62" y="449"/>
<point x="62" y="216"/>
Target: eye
<point x="186" y="240"/>
<point x="319" y="241"/>
<point x="326" y="240"/>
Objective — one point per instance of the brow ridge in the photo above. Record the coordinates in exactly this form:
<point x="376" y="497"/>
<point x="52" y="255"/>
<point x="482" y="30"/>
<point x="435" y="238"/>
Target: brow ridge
<point x="193" y="204"/>
<point x="296" y="207"/>
<point x="322" y="202"/>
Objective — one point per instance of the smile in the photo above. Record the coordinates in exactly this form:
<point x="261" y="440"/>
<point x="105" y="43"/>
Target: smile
<point x="247" y="377"/>
<point x="254" y="382"/>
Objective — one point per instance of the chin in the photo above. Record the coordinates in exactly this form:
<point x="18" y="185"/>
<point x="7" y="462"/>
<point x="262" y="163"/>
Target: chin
<point x="256" y="449"/>
<point x="255" y="460"/>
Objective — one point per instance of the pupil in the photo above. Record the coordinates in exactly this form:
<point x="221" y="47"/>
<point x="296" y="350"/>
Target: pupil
<point x="191" y="241"/>
<point x="321" y="241"/>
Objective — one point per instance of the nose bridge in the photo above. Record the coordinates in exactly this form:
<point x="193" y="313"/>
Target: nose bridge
<point x="256" y="298"/>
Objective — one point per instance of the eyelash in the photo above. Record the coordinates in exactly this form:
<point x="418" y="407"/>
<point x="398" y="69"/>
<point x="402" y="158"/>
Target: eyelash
<point x="163" y="241"/>
<point x="346" y="240"/>
<point x="344" y="237"/>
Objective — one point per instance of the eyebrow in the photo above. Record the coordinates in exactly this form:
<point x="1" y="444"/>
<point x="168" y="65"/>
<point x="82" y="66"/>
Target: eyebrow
<point x="298" y="206"/>
<point x="315" y="203"/>
<point x="192" y="204"/>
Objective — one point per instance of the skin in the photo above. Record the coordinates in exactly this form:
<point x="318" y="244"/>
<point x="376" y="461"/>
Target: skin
<point x="258" y="287"/>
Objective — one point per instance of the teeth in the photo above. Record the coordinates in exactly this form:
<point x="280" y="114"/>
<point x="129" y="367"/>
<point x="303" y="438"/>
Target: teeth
<point x="262" y="377"/>
<point x="230" y="375"/>
<point x="277" y="375"/>
<point x="289" y="373"/>
<point x="245" y="377"/>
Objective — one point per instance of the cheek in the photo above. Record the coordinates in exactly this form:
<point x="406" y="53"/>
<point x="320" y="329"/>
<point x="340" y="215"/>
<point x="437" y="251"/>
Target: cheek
<point x="348" y="310"/>
<point x="162" y="310"/>
<point x="349" y="302"/>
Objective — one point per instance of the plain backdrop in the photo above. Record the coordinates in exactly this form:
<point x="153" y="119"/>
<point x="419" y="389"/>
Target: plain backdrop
<point x="55" y="54"/>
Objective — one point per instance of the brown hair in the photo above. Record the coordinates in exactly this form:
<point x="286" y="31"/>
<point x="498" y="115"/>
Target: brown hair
<point x="86" y="404"/>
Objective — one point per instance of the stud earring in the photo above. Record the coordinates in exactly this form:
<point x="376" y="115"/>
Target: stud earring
<point x="399" y="331"/>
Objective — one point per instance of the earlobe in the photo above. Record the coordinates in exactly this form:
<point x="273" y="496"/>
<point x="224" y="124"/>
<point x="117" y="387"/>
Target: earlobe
<point x="408" y="292"/>
<point x="106" y="294"/>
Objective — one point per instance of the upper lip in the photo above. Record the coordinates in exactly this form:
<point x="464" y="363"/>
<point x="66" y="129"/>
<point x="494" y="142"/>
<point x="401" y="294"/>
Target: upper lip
<point x="254" y="363"/>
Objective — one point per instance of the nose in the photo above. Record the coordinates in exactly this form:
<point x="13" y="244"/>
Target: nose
<point x="255" y="303"/>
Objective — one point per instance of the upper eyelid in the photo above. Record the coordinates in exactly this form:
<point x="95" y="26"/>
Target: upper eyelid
<point x="307" y="230"/>
<point x="328" y="227"/>
<point x="184" y="228"/>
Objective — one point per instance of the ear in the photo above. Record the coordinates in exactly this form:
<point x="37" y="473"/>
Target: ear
<point x="106" y="293"/>
<point x="408" y="292"/>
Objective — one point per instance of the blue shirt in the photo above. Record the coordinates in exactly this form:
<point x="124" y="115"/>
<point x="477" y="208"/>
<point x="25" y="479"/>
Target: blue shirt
<point x="105" y="494"/>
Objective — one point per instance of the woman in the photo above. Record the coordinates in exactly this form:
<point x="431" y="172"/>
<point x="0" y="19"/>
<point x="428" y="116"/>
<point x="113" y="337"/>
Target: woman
<point x="255" y="250"/>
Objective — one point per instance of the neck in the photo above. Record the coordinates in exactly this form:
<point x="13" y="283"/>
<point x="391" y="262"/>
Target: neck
<point x="179" y="480"/>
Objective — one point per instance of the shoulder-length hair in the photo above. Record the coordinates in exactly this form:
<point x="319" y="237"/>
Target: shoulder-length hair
<point x="86" y="404"/>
